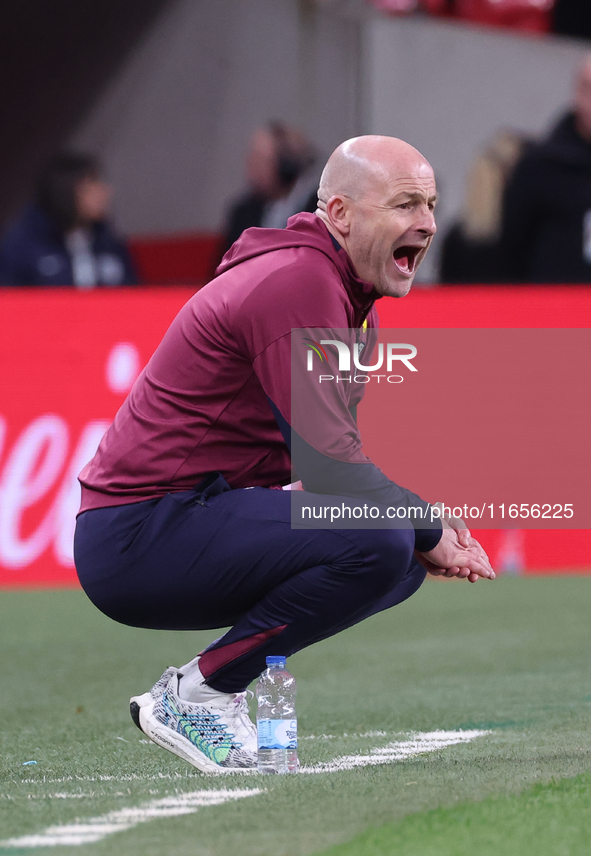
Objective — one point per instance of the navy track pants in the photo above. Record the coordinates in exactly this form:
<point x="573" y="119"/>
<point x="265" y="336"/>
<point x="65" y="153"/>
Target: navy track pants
<point x="215" y="557"/>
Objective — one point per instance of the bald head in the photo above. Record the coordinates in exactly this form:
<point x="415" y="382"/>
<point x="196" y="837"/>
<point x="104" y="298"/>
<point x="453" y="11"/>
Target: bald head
<point x="363" y="165"/>
<point x="376" y="198"/>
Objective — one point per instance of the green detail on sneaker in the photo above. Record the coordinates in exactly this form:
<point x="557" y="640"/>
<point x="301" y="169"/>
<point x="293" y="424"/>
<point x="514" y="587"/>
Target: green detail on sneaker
<point x="216" y="748"/>
<point x="204" y="730"/>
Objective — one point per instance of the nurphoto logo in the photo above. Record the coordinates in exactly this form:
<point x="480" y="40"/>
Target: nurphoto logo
<point x="401" y="352"/>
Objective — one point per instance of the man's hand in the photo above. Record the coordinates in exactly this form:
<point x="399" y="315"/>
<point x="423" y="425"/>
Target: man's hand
<point x="457" y="554"/>
<point x="464" y="536"/>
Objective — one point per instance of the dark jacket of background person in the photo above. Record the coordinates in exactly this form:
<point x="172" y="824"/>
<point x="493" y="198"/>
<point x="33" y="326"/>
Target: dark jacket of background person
<point x="282" y="173"/>
<point x="547" y="210"/>
<point x="63" y="237"/>
<point x="472" y="251"/>
<point x="248" y="211"/>
<point x="465" y="261"/>
<point x="33" y="252"/>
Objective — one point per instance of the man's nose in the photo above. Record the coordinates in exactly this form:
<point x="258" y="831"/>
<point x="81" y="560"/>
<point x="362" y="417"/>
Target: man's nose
<point x="425" y="222"/>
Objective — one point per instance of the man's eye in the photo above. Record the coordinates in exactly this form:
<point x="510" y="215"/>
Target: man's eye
<point x="404" y="205"/>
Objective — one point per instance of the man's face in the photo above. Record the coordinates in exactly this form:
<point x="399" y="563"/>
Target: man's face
<point x="261" y="165"/>
<point x="92" y="198"/>
<point x="392" y="226"/>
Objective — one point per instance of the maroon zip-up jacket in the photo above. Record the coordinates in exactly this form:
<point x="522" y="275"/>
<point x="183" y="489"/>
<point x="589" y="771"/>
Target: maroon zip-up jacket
<point x="218" y="387"/>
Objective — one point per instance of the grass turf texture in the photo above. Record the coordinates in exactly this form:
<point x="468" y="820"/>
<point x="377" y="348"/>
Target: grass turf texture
<point x="548" y="820"/>
<point x="512" y="657"/>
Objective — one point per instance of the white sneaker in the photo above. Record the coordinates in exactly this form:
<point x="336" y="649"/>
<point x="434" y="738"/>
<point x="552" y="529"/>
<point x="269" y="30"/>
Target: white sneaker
<point x="156" y="691"/>
<point x="216" y="737"/>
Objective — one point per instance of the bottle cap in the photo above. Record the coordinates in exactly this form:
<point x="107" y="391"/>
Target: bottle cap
<point x="275" y="661"/>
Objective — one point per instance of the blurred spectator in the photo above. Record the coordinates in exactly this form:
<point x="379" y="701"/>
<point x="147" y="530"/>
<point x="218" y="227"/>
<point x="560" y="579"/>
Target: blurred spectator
<point x="282" y="171"/>
<point x="472" y="247"/>
<point x="64" y="238"/>
<point x="547" y="207"/>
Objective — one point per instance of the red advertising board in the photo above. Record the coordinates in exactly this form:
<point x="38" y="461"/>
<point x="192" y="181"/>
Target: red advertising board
<point x="508" y="307"/>
<point x="68" y="359"/>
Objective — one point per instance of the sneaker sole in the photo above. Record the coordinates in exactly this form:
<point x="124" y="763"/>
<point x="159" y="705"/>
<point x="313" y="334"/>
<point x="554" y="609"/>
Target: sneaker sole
<point x="174" y="742"/>
<point x="134" y="710"/>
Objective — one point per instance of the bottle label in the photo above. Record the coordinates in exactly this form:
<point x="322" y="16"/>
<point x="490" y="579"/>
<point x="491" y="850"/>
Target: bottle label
<point x="277" y="733"/>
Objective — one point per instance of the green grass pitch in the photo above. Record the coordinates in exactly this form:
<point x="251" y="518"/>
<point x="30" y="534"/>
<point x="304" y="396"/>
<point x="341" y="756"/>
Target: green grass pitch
<point x="510" y="658"/>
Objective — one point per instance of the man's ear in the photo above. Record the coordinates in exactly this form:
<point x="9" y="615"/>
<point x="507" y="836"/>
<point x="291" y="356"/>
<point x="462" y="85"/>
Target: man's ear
<point x="338" y="211"/>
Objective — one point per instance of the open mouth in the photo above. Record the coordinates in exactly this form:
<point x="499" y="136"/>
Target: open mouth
<point x="405" y="258"/>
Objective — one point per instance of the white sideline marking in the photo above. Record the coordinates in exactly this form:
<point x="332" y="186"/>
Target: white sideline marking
<point x="125" y="777"/>
<point x="417" y="743"/>
<point x="400" y="750"/>
<point x="96" y="828"/>
<point x="340" y="736"/>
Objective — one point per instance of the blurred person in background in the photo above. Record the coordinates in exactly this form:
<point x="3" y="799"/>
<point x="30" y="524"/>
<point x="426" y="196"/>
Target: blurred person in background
<point x="472" y="250"/>
<point x="546" y="232"/>
<point x="282" y="171"/>
<point x="64" y="237"/>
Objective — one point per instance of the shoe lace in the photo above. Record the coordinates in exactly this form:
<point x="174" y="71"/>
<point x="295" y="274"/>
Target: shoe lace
<point x="241" y="712"/>
<point x="209" y="727"/>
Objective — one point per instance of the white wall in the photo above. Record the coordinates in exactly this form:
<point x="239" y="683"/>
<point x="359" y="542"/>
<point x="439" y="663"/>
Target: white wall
<point x="446" y="88"/>
<point x="173" y="127"/>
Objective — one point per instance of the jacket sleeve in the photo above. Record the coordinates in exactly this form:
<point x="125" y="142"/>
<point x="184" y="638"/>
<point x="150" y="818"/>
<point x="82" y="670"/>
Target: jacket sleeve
<point x="323" y="437"/>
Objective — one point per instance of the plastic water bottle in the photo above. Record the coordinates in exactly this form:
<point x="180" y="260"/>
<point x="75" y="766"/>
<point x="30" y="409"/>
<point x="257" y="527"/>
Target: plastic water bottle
<point x="277" y="726"/>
